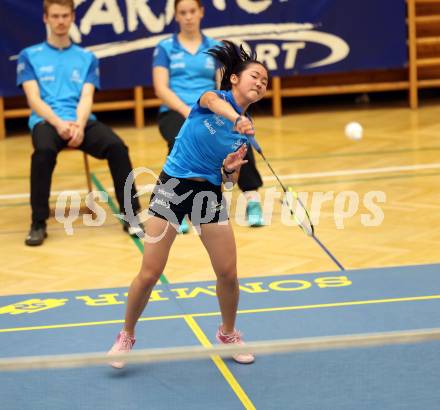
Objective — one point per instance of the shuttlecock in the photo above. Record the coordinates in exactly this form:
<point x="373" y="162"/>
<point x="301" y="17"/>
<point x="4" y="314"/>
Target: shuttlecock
<point x="354" y="131"/>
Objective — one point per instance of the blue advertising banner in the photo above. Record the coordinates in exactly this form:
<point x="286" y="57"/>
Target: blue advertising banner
<point x="291" y="36"/>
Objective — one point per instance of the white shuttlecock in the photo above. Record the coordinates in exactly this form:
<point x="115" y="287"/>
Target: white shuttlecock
<point x="354" y="131"/>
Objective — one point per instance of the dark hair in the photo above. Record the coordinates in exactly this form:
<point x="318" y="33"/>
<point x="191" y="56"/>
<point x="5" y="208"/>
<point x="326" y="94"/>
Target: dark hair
<point x="176" y="3"/>
<point x="233" y="60"/>
<point x="67" y="3"/>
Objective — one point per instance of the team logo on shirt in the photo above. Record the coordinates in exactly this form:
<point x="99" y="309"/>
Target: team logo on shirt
<point x="237" y="144"/>
<point x="76" y="76"/>
<point x="20" y="67"/>
<point x="209" y="63"/>
<point x="47" y="78"/>
<point x="218" y="121"/>
<point x="209" y="127"/>
<point x="46" y="72"/>
<point x="176" y="56"/>
<point x="180" y="64"/>
<point x="46" y="69"/>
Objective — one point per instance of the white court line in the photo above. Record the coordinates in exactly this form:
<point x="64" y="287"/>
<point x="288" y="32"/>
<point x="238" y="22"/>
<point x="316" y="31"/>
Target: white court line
<point x="356" y="172"/>
<point x="306" y="175"/>
<point x="26" y="196"/>
<point x="52" y="193"/>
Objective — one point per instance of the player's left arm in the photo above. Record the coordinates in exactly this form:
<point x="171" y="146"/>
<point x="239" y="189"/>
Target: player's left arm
<point x="232" y="165"/>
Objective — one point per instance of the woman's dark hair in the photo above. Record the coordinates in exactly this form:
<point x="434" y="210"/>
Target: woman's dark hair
<point x="233" y="60"/>
<point x="176" y="3"/>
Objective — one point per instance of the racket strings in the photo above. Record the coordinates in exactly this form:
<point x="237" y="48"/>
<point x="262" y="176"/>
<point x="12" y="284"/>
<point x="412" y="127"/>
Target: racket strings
<point x="306" y="222"/>
<point x="298" y="212"/>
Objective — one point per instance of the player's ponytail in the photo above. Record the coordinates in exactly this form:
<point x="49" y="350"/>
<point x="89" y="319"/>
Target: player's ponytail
<point x="232" y="60"/>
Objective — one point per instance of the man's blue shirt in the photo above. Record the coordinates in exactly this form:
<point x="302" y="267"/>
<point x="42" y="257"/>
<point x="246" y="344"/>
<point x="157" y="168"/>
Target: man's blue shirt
<point x="60" y="74"/>
<point x="190" y="75"/>
<point x="203" y="142"/>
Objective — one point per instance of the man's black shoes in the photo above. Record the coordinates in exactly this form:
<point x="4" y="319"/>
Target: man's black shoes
<point x="36" y="235"/>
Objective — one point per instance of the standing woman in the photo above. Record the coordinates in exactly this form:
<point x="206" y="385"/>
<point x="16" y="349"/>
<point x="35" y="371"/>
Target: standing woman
<point x="209" y="150"/>
<point x="182" y="71"/>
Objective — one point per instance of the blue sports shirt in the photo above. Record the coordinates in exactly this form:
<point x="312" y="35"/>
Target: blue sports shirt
<point x="60" y="74"/>
<point x="190" y="75"/>
<point x="203" y="142"/>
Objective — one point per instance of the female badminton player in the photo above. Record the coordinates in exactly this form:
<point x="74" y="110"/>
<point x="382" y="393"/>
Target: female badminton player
<point x="209" y="149"/>
<point x="182" y="71"/>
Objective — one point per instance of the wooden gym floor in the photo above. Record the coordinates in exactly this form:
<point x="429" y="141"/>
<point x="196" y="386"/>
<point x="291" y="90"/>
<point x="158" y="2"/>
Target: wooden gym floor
<point x="398" y="158"/>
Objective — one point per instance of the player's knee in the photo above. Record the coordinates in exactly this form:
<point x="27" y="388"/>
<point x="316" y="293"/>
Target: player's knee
<point x="117" y="147"/>
<point x="117" y="152"/>
<point x="44" y="155"/>
<point x="148" y="277"/>
<point x="228" y="276"/>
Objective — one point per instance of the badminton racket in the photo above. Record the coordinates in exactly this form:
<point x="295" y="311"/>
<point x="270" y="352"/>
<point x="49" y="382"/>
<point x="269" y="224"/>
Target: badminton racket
<point x="296" y="207"/>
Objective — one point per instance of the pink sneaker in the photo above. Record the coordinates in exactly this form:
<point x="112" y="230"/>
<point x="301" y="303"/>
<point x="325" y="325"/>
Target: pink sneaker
<point x="235" y="338"/>
<point x="123" y="344"/>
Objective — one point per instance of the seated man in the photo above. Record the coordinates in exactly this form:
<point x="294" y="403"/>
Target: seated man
<point x="59" y="79"/>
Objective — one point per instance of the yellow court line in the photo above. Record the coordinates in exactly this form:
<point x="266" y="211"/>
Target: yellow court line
<point x="207" y="314"/>
<point x="221" y="366"/>
<point x="339" y="304"/>
<point x="80" y="324"/>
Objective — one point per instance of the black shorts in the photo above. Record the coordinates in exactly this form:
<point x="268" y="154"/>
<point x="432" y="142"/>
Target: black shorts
<point x="173" y="198"/>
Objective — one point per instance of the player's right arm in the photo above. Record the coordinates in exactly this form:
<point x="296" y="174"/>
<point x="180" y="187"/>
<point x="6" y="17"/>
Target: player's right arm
<point x="219" y="106"/>
<point x="32" y="92"/>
